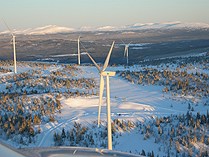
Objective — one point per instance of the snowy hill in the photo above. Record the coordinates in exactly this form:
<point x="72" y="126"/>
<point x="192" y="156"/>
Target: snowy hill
<point x="53" y="29"/>
<point x="166" y="25"/>
<point x="50" y="29"/>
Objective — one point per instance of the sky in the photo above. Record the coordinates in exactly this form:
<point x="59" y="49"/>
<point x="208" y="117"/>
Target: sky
<point x="22" y="14"/>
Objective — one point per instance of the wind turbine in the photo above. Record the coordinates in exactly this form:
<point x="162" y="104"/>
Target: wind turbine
<point x="14" y="48"/>
<point x="79" y="54"/>
<point x="107" y="74"/>
<point x="126" y="51"/>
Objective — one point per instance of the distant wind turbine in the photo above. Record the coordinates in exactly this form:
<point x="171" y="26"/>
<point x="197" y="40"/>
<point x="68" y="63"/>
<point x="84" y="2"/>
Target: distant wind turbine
<point x="101" y="88"/>
<point x="14" y="48"/>
<point x="126" y="51"/>
<point x="79" y="54"/>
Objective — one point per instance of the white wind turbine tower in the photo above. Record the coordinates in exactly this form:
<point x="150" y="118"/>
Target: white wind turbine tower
<point x="79" y="54"/>
<point x="14" y="48"/>
<point x="101" y="88"/>
<point x="126" y="51"/>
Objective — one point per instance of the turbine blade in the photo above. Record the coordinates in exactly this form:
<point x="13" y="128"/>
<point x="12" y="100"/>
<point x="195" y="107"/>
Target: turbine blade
<point x="97" y="66"/>
<point x="101" y="89"/>
<point x="122" y="42"/>
<point x="8" y="27"/>
<point x="108" y="57"/>
<point x="125" y="52"/>
<point x="129" y="43"/>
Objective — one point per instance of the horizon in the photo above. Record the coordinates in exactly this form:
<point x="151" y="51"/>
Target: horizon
<point x="95" y="13"/>
<point x="48" y="29"/>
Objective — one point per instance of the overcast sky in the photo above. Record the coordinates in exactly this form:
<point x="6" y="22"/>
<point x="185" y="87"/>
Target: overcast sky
<point x="77" y="13"/>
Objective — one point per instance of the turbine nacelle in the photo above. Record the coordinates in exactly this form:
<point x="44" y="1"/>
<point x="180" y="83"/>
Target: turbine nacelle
<point x="108" y="73"/>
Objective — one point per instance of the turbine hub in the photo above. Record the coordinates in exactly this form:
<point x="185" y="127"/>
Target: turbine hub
<point x="108" y="73"/>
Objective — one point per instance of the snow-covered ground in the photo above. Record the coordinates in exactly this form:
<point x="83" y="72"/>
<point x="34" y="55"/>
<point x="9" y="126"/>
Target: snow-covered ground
<point x="129" y="101"/>
<point x="5" y="151"/>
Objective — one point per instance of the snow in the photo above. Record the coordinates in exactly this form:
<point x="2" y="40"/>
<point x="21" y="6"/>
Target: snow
<point x="129" y="32"/>
<point x="53" y="29"/>
<point x="135" y="143"/>
<point x="67" y="55"/>
<point x="129" y="101"/>
<point x="5" y="151"/>
<point x="106" y="28"/>
<point x="49" y="29"/>
<point x="163" y="25"/>
<point x="168" y="25"/>
<point x="137" y="44"/>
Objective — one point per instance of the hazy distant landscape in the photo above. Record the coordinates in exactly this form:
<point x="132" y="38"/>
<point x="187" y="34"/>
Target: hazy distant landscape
<point x="146" y="43"/>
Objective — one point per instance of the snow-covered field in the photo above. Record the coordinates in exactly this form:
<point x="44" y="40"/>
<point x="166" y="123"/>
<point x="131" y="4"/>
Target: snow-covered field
<point x="138" y="103"/>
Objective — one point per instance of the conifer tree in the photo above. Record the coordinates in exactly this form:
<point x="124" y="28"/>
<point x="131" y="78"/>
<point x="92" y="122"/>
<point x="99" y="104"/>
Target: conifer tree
<point x="63" y="135"/>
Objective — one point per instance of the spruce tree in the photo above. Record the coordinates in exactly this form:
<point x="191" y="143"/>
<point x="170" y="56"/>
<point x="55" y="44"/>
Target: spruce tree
<point x="63" y="135"/>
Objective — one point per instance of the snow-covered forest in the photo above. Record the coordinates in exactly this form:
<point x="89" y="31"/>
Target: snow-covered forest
<point x="159" y="107"/>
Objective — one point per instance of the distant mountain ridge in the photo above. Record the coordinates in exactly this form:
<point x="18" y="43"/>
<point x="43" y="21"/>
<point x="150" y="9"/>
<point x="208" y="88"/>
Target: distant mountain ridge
<point x="53" y="29"/>
<point x="49" y="29"/>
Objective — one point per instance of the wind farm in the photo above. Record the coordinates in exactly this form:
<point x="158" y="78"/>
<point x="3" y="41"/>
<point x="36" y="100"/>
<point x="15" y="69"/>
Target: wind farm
<point x="52" y="99"/>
